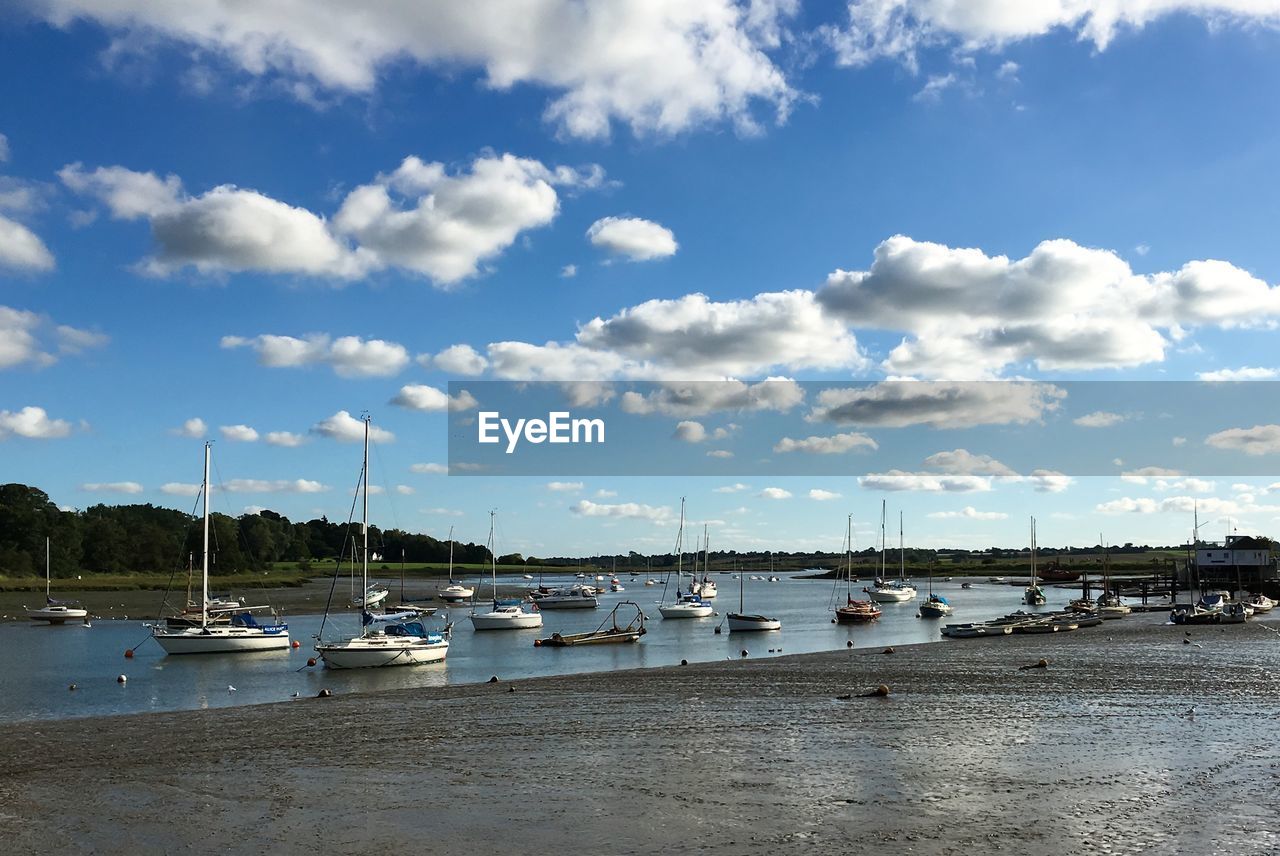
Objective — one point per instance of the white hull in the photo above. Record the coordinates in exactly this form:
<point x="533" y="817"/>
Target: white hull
<point x="370" y="600"/>
<point x="221" y="640"/>
<point x="375" y="651"/>
<point x="455" y="594"/>
<point x="742" y="623"/>
<point x="686" y="610"/>
<point x="901" y="595"/>
<point x="57" y="614"/>
<point x="513" y="620"/>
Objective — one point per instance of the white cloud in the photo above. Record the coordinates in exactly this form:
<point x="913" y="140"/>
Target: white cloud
<point x="569" y="271"/>
<point x="72" y="340"/>
<point x="1099" y="419"/>
<point x="964" y="462"/>
<point x="1258" y="440"/>
<point x="723" y="454"/>
<point x="112" y="487"/>
<point x="1142" y="474"/>
<point x="690" y="432"/>
<point x="823" y="495"/>
<point x="180" y="489"/>
<point x="940" y="404"/>
<point x="238" y="433"/>
<point x="900" y="29"/>
<point x="774" y="493"/>
<point x="738" y="487"/>
<point x="4" y="148"/>
<point x="835" y="444"/>
<point x="429" y="469"/>
<point x="286" y="439"/>
<point x="274" y="486"/>
<point x="461" y="360"/>
<point x="968" y="513"/>
<point x="659" y="67"/>
<point x="405" y="490"/>
<point x="1049" y="481"/>
<point x="1063" y="307"/>
<point x="934" y="87"/>
<point x="1128" y="505"/>
<point x="564" y="487"/>
<point x="21" y="250"/>
<point x="628" y="510"/>
<point x="194" y="428"/>
<point x="443" y="512"/>
<point x="699" y="398"/>
<point x="633" y="238"/>
<point x="33" y="423"/>
<point x="432" y="400"/>
<point x="605" y="494"/>
<point x="896" y="480"/>
<point x="1187" y="485"/>
<point x="1008" y="71"/>
<point x="348" y="356"/>
<point x="344" y="427"/>
<point x="1244" y="373"/>
<point x="1179" y="441"/>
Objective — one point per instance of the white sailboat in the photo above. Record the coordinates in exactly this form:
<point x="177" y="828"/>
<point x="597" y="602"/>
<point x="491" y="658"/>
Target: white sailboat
<point x="397" y="639"/>
<point x="53" y="611"/>
<point x="243" y="634"/>
<point x="740" y="621"/>
<point x="1033" y="595"/>
<point x="504" y="615"/>
<point x="454" y="592"/>
<point x="686" y="605"/>
<point x="895" y="591"/>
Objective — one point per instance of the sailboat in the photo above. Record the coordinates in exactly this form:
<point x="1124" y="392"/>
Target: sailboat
<point x="1110" y="606"/>
<point x="706" y="587"/>
<point x="454" y="592"/>
<point x="853" y="611"/>
<point x="1033" y="595"/>
<point x="686" y="605"/>
<point x="241" y="635"/>
<point x="740" y="621"/>
<point x="935" y="605"/>
<point x="503" y="616"/>
<point x="54" y="611"/>
<point x="896" y="591"/>
<point x="390" y="639"/>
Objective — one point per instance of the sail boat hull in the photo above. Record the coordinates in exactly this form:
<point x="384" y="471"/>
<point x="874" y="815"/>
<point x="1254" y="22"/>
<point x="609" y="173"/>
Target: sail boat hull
<point x="376" y="651"/>
<point x="57" y="614"/>
<point x="224" y="640"/>
<point x="892" y="594"/>
<point x="499" y="619"/>
<point x="744" y="623"/>
<point x="686" y="609"/>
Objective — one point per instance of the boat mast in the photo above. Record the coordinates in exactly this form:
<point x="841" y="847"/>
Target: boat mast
<point x="204" y="558"/>
<point x="493" y="559"/>
<point x="902" y="560"/>
<point x="1033" y="552"/>
<point x="848" y="560"/>
<point x="364" y="528"/>
<point x="450" y="555"/>
<point x="48" y="574"/>
<point x="883" y="512"/>
<point x="679" y="551"/>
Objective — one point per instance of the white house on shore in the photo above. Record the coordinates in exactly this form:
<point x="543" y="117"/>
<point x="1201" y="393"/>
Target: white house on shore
<point x="1242" y="557"/>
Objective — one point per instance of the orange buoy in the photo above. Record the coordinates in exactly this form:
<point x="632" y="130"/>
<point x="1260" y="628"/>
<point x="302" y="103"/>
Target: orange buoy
<point x="128" y="654"/>
<point x="296" y="644"/>
<point x="311" y="661"/>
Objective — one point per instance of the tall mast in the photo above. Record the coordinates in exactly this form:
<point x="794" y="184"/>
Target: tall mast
<point x="48" y="574"/>
<point x="493" y="559"/>
<point x="883" y="512"/>
<point x="902" y="560"/>
<point x="679" y="551"/>
<point x="204" y="559"/>
<point x="364" y="521"/>
<point x="848" y="559"/>
<point x="450" y="555"/>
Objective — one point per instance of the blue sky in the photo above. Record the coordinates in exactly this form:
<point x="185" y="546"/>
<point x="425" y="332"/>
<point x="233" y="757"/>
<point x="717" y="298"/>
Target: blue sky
<point x="256" y="221"/>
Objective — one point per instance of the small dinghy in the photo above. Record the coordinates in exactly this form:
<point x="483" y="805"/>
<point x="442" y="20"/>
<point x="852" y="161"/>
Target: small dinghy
<point x="615" y="633"/>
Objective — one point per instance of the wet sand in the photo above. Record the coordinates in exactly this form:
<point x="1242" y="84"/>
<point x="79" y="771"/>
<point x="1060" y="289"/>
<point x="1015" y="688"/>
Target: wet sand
<point x="969" y="754"/>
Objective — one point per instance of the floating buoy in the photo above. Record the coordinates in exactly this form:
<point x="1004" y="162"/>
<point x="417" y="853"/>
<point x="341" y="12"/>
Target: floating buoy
<point x="122" y="679"/>
<point x="717" y="629"/>
<point x="537" y="643"/>
<point x="833" y="621"/>
<point x="1042" y="663"/>
<point x="311" y="661"/>
<point x="882" y="690"/>
<point x="684" y="662"/>
<point x="295" y="644"/>
<point x="72" y="687"/>
<point x="889" y="650"/>
<point x="325" y="693"/>
<point x="849" y="644"/>
<point x="128" y="654"/>
<point x="494" y="679"/>
<point x="511" y="689"/>
<point x="295" y="694"/>
<point x="744" y="652"/>
<point x="1186" y="641"/>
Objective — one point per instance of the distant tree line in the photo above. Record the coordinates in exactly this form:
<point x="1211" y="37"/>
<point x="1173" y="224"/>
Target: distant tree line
<point x="116" y="539"/>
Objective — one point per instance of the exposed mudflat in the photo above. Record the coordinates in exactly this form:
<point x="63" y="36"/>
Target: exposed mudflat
<point x="969" y="754"/>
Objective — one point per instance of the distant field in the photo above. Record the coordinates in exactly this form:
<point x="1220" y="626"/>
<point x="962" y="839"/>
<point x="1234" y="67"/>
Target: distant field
<point x="126" y="582"/>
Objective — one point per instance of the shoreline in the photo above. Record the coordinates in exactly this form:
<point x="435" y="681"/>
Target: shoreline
<point x="730" y="756"/>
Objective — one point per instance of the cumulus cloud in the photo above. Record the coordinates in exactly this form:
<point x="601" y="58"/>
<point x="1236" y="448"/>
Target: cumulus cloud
<point x="1142" y="474"/>
<point x="823" y="495"/>
<point x="895" y="480"/>
<point x="1063" y="307"/>
<point x="1049" y="481"/>
<point x="238" y="433"/>
<point x="699" y="398"/>
<point x="180" y="489"/>
<point x="346" y="428"/>
<point x="564" y="487"/>
<point x="835" y="444"/>
<point x="1099" y="419"/>
<point x="194" y="428"/>
<point x="348" y="356"/>
<point x="286" y="439"/>
<point x="900" y="29"/>
<point x="941" y="404"/>
<point x="460" y="360"/>
<point x="569" y="271"/>
<point x="32" y="423"/>
<point x="774" y="493"/>
<point x="964" y="462"/>
<point x="690" y="432"/>
<point x="723" y="454"/>
<point x="738" y="487"/>
<point x="629" y="510"/>
<point x="21" y="250"/>
<point x="419" y="218"/>
<point x="429" y="469"/>
<point x="416" y="396"/>
<point x="660" y="68"/>
<point x="1243" y="373"/>
<point x="632" y="238"/>
<point x="27" y="338"/>
<point x="274" y="486"/>
<point x="1258" y="440"/>
<point x="968" y="513"/>
<point x="112" y="487"/>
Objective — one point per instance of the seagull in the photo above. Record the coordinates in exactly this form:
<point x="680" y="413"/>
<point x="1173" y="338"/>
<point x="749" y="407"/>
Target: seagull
<point x="1191" y="711"/>
<point x="230" y="688"/>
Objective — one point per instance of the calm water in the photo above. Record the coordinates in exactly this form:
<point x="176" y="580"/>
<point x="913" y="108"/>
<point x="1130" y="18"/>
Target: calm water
<point x="38" y="662"/>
